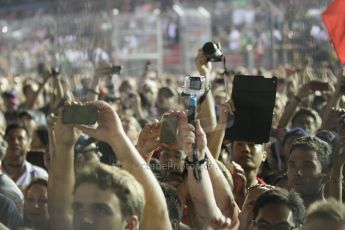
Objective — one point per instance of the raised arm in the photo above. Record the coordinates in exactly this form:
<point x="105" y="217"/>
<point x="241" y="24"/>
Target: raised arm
<point x="201" y="192"/>
<point x="61" y="175"/>
<point x="222" y="192"/>
<point x="148" y="140"/>
<point x="216" y="138"/>
<point x="207" y="113"/>
<point x="336" y="182"/>
<point x="291" y="107"/>
<point x="110" y="130"/>
<point x="31" y="101"/>
<point x="333" y="102"/>
<point x="103" y="70"/>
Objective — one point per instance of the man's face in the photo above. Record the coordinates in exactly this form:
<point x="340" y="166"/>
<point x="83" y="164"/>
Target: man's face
<point x="18" y="145"/>
<point x="306" y="122"/>
<point x="171" y="165"/>
<point x="94" y="208"/>
<point x="166" y="100"/>
<point x="304" y="172"/>
<point x="248" y="154"/>
<point x="320" y="224"/>
<point x="274" y="215"/>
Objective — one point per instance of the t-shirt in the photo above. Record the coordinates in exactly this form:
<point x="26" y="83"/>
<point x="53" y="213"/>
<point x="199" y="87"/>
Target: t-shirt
<point x="9" y="189"/>
<point x="31" y="173"/>
<point x="9" y="215"/>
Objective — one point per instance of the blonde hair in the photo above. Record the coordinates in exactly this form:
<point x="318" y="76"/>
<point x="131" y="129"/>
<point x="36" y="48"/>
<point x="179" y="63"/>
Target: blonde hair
<point x="330" y="209"/>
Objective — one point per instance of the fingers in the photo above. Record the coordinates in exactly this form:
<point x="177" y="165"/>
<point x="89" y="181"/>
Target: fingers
<point x="99" y="104"/>
<point x="199" y="131"/>
<point x="222" y="222"/>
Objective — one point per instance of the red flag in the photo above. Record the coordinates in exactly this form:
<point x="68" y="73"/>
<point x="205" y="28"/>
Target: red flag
<point x="334" y="19"/>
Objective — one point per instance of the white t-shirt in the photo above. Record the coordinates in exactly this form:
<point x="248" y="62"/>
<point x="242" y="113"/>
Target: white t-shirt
<point x="31" y="173"/>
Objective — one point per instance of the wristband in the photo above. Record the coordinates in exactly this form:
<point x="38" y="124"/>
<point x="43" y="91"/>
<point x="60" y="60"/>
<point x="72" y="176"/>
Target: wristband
<point x="190" y="163"/>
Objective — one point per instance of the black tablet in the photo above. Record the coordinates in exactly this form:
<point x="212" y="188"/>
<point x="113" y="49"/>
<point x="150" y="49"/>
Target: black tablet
<point x="254" y="99"/>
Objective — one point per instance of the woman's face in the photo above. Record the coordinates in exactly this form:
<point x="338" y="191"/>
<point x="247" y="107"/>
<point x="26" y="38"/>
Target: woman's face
<point x="35" y="205"/>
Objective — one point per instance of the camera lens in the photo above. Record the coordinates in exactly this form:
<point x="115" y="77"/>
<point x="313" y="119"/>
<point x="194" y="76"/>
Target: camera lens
<point x="212" y="52"/>
<point x="209" y="48"/>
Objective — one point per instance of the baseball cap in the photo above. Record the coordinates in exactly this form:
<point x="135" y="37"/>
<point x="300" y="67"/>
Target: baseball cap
<point x="295" y="132"/>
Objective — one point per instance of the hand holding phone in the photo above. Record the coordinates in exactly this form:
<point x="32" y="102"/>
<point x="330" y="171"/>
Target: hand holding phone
<point x="80" y="114"/>
<point x="168" y="129"/>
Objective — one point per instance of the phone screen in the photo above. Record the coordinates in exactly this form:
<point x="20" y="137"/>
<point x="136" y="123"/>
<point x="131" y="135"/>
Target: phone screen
<point x="116" y="69"/>
<point x="168" y="129"/>
<point x="76" y="114"/>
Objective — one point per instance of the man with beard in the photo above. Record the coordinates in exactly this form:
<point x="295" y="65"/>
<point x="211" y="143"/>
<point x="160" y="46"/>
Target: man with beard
<point x="14" y="163"/>
<point x="308" y="168"/>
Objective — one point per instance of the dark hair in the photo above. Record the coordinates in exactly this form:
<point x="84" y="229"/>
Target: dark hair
<point x="42" y="134"/>
<point x="281" y="196"/>
<point x="39" y="181"/>
<point x="173" y="202"/>
<point x="16" y="126"/>
<point x="322" y="149"/>
<point x="309" y="112"/>
<point x="127" y="189"/>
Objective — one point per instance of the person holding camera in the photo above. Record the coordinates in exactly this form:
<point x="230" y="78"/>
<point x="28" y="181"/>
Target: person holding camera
<point x="90" y="195"/>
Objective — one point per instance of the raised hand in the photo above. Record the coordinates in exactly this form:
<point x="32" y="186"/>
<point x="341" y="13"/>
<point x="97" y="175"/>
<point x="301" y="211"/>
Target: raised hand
<point x="63" y="134"/>
<point x="221" y="223"/>
<point x="109" y="124"/>
<point x="149" y="139"/>
<point x="202" y="65"/>
<point x="339" y="158"/>
<point x="224" y="111"/>
<point x="188" y="134"/>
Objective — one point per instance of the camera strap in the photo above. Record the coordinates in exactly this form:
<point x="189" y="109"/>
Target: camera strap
<point x="225" y="73"/>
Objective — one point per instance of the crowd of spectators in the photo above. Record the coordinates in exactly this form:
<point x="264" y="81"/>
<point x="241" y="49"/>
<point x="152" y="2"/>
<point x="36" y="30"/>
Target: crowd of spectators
<point x="253" y="33"/>
<point x="132" y="169"/>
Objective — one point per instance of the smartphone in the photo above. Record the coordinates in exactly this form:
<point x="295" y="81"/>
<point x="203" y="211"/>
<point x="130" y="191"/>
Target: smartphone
<point x="116" y="69"/>
<point x="319" y="86"/>
<point x="80" y="114"/>
<point x="168" y="129"/>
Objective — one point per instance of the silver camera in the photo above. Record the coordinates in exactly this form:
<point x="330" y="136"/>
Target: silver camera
<point x="194" y="85"/>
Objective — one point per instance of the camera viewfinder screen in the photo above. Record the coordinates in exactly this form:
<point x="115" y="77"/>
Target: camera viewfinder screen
<point x="195" y="84"/>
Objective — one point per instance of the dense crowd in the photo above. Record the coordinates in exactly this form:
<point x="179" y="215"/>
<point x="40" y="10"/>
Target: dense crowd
<point x="120" y="174"/>
<point x="130" y="157"/>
